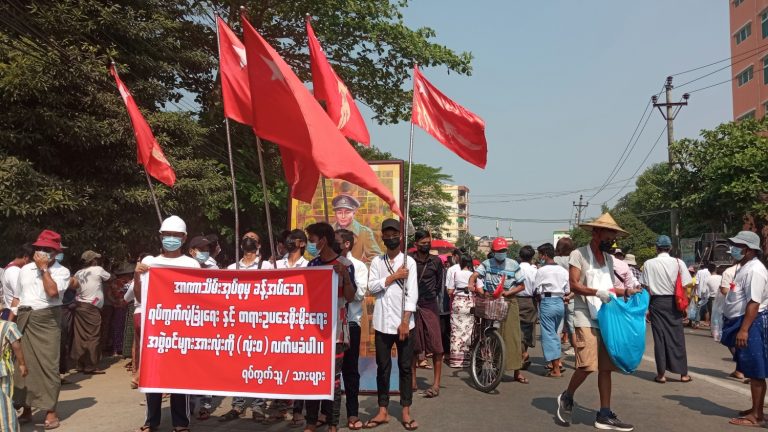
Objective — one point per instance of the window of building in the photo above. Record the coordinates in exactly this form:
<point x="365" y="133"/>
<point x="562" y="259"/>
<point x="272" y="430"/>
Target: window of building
<point x="765" y="70"/>
<point x="743" y="33"/>
<point x="746" y="76"/>
<point x="736" y="3"/>
<point x="764" y="19"/>
<point x="748" y="116"/>
<point x="765" y="108"/>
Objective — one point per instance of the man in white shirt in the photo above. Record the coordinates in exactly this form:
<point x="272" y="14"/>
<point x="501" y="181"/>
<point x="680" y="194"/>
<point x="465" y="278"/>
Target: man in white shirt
<point x="748" y="331"/>
<point x="392" y="282"/>
<point x="38" y="298"/>
<point x="702" y="275"/>
<point x="10" y="279"/>
<point x="660" y="276"/>
<point x="528" y="313"/>
<point x="86" y="322"/>
<point x="709" y="292"/>
<point x="200" y="249"/>
<point x="450" y="274"/>
<point x="349" y="367"/>
<point x="173" y="234"/>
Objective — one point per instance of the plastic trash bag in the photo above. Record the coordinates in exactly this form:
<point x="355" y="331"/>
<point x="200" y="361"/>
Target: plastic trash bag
<point x="717" y="317"/>
<point x="693" y="311"/>
<point x="622" y="327"/>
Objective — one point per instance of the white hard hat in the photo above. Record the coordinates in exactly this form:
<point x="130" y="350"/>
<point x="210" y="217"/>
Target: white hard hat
<point x="174" y="224"/>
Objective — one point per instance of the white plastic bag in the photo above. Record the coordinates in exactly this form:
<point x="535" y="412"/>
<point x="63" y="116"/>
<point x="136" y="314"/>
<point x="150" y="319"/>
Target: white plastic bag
<point x="598" y="278"/>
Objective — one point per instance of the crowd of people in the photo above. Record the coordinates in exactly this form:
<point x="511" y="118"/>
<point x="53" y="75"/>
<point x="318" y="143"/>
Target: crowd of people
<point x="54" y="321"/>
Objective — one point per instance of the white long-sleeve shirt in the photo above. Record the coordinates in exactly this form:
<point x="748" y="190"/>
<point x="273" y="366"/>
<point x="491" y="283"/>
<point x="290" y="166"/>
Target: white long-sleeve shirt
<point x="388" y="310"/>
<point x="355" y="307"/>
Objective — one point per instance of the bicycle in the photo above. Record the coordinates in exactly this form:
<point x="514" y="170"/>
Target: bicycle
<point x="487" y="352"/>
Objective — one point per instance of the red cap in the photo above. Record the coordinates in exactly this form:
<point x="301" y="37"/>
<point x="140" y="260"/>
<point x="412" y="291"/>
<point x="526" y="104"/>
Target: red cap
<point x="49" y="239"/>
<point x="499" y="243"/>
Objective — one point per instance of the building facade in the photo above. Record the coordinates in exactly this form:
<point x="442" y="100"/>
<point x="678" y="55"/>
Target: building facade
<point x="749" y="58"/>
<point x="458" y="212"/>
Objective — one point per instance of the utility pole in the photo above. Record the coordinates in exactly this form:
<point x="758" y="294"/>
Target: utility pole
<point x="672" y="109"/>
<point x="579" y="208"/>
<point x="497" y="228"/>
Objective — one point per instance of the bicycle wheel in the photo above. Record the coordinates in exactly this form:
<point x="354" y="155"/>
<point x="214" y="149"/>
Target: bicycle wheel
<point x="487" y="362"/>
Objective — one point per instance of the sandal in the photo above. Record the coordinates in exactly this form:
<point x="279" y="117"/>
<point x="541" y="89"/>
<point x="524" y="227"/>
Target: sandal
<point x="660" y="380"/>
<point x="352" y="423"/>
<point x="51" y="425"/>
<point x="296" y="423"/>
<point x="521" y="379"/>
<point x="372" y="424"/>
<point x="684" y="380"/>
<point x="550" y="374"/>
<point x="232" y="414"/>
<point x="145" y="428"/>
<point x="424" y="364"/>
<point x="409" y="425"/>
<point x="744" y="421"/>
<point x="431" y="393"/>
<point x="203" y="414"/>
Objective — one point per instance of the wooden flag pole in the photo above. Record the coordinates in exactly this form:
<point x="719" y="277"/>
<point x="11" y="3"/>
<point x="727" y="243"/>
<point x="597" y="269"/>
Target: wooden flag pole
<point x="154" y="197"/>
<point x="260" y="151"/>
<point x="231" y="163"/>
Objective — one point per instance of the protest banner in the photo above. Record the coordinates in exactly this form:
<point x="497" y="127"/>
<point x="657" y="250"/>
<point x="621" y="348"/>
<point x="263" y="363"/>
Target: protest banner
<point x="264" y="333"/>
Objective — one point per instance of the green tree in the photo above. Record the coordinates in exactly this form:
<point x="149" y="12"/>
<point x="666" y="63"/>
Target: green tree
<point x="67" y="151"/>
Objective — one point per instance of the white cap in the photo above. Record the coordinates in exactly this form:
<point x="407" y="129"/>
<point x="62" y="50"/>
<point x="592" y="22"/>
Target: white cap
<point x="173" y="224"/>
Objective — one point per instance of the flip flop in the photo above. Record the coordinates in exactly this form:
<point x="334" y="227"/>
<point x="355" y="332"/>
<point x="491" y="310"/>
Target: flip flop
<point x="372" y="424"/>
<point x="431" y="393"/>
<point x="51" y="425"/>
<point x="352" y="424"/>
<point x="683" y="380"/>
<point x="743" y="421"/>
<point x="296" y="423"/>
<point x="551" y="375"/>
<point x="409" y="425"/>
<point x="660" y="380"/>
<point x="203" y="414"/>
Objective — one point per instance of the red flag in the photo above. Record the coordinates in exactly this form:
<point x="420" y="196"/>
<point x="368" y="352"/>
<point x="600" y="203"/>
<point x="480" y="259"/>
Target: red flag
<point x="234" y="75"/>
<point x="149" y="152"/>
<point x="448" y="122"/>
<point x="328" y="87"/>
<point x="286" y="113"/>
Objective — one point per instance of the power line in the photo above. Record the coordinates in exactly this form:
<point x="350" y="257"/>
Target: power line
<point x="641" y="163"/>
<point x="532" y="220"/>
<point x="720" y="61"/>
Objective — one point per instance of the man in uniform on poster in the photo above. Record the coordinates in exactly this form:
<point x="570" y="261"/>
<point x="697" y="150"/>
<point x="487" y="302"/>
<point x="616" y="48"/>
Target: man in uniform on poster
<point x="344" y="208"/>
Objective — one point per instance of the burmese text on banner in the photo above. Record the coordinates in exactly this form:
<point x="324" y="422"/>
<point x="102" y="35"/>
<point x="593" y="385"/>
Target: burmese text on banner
<point x="267" y="333"/>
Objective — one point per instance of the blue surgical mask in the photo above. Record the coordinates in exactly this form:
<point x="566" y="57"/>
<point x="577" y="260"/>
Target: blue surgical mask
<point x="202" y="257"/>
<point x="312" y="249"/>
<point x="59" y="257"/>
<point x="736" y="253"/>
<point x="171" y="243"/>
<point x="542" y="262"/>
<point x="500" y="256"/>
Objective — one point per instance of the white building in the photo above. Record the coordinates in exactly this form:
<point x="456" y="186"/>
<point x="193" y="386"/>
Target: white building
<point x="458" y="212"/>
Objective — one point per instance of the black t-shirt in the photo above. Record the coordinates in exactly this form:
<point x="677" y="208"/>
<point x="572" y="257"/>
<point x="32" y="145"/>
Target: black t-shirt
<point x="429" y="274"/>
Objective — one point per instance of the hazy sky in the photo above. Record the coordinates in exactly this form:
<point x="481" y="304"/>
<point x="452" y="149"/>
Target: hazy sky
<point x="561" y="86"/>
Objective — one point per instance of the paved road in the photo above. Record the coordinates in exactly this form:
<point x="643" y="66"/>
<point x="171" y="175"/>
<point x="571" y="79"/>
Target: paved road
<point x="105" y="403"/>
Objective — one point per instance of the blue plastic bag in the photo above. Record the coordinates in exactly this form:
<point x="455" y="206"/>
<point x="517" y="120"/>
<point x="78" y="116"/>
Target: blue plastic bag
<point x="622" y="327"/>
<point x="693" y="311"/>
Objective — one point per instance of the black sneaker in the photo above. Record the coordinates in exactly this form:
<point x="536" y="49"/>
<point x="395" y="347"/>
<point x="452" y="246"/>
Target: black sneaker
<point x="611" y="422"/>
<point x="564" y="408"/>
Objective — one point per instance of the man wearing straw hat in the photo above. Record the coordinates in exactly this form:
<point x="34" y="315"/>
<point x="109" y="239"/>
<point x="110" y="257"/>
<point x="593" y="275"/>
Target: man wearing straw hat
<point x="591" y="278"/>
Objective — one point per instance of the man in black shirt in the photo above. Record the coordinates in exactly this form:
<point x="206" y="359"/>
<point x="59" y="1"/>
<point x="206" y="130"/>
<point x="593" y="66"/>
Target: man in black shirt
<point x="430" y="279"/>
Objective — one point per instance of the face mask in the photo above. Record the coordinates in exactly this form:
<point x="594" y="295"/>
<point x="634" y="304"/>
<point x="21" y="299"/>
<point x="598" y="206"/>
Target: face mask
<point x="605" y="246"/>
<point x="249" y="245"/>
<point x="291" y="246"/>
<point x="171" y="244"/>
<point x="542" y="261"/>
<point x="500" y="256"/>
<point x="424" y="248"/>
<point x="312" y="249"/>
<point x="59" y="257"/>
<point x="202" y="257"/>
<point x="736" y="253"/>
<point x="392" y="243"/>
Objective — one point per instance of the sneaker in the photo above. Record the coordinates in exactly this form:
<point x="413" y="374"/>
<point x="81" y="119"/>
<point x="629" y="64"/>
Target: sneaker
<point x="612" y="422"/>
<point x="564" y="408"/>
<point x="569" y="352"/>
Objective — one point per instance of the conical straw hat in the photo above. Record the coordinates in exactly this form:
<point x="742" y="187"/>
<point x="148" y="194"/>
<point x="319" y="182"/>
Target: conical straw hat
<point x="605" y="221"/>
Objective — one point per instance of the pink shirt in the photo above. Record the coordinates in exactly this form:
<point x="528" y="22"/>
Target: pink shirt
<point x="623" y="271"/>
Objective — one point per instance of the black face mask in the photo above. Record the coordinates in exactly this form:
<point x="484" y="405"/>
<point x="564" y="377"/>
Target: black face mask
<point x="249" y="245"/>
<point x="424" y="248"/>
<point x="605" y="246"/>
<point x="290" y="246"/>
<point x="392" y="243"/>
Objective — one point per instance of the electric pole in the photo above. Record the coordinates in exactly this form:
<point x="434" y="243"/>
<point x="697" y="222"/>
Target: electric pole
<point x="497" y="228"/>
<point x="579" y="207"/>
<point x="672" y="109"/>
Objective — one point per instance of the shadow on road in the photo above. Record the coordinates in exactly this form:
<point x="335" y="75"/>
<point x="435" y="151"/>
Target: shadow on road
<point x="703" y="406"/>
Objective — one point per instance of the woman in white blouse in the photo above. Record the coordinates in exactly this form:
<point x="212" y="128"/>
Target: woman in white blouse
<point x="462" y="321"/>
<point x="551" y="285"/>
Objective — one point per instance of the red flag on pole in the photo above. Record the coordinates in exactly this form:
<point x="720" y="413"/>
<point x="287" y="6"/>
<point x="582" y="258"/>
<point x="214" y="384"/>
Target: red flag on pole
<point x="284" y="112"/>
<point x="234" y="75"/>
<point x="328" y="87"/>
<point x="149" y="152"/>
<point x="448" y="122"/>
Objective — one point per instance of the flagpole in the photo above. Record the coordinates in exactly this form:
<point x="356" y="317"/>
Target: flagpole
<point x="410" y="170"/>
<point x="325" y="200"/>
<point x="231" y="163"/>
<point x="260" y="151"/>
<point x="154" y="197"/>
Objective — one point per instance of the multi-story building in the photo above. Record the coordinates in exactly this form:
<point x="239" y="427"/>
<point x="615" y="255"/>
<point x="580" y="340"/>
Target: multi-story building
<point x="458" y="212"/>
<point x="749" y="58"/>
